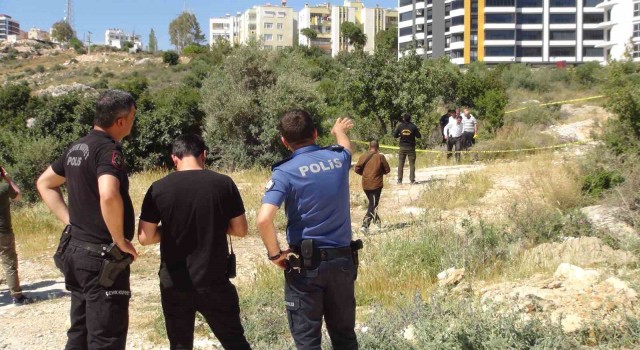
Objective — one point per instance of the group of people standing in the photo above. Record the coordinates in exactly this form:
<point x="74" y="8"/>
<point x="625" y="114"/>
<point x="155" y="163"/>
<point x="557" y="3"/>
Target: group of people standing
<point x="459" y="131"/>
<point x="192" y="213"/>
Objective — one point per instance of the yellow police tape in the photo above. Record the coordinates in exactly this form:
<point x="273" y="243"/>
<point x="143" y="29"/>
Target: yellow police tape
<point x="508" y="150"/>
<point x="490" y="151"/>
<point x="557" y="103"/>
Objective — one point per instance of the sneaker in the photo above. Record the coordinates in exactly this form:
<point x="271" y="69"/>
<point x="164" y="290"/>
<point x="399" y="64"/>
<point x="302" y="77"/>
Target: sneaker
<point x="22" y="300"/>
<point x="364" y="230"/>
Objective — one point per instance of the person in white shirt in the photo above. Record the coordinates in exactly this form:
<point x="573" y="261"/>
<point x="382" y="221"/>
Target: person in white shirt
<point x="470" y="129"/>
<point x="453" y="134"/>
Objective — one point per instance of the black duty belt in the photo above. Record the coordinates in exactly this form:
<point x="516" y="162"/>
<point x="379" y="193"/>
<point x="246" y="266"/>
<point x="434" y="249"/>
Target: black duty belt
<point x="334" y="253"/>
<point x="92" y="247"/>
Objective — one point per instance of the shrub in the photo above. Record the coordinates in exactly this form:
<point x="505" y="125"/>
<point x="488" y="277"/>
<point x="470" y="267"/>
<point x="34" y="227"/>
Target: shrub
<point x="40" y="68"/>
<point x="135" y="84"/>
<point x="490" y="106"/>
<point x="597" y="181"/>
<point x="57" y="68"/>
<point x="170" y="57"/>
<point x="192" y="50"/>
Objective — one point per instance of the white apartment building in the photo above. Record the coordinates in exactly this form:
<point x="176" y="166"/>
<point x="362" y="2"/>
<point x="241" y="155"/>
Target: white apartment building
<point x="317" y="18"/>
<point x="227" y="28"/>
<point x="275" y="27"/>
<point x="8" y="26"/>
<point x="497" y="31"/>
<point x="116" y="37"/>
<point x="38" y="34"/>
<point x="621" y="28"/>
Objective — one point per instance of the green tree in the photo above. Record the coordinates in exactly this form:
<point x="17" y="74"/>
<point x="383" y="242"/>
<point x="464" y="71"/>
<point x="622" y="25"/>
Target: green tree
<point x="153" y="42"/>
<point x="126" y="45"/>
<point x="193" y="50"/>
<point x="387" y="40"/>
<point x="62" y="32"/>
<point x="185" y="30"/>
<point x="311" y="34"/>
<point x="170" y="57"/>
<point x="354" y="35"/>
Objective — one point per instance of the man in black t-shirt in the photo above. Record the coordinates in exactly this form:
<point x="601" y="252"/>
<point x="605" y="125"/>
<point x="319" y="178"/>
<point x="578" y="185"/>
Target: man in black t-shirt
<point x="407" y="132"/>
<point x="197" y="209"/>
<point x="100" y="212"/>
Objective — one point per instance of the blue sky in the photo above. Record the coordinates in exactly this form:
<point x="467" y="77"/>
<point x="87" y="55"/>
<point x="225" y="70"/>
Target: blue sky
<point x="140" y="16"/>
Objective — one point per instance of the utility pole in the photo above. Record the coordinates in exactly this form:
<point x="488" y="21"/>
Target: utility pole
<point x="89" y="43"/>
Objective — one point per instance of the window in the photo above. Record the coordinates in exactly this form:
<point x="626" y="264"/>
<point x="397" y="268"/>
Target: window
<point x="636" y="50"/>
<point x="457" y="4"/>
<point x="562" y="35"/>
<point x="405" y="2"/>
<point x="528" y="51"/>
<point x="279" y="26"/>
<point x="562" y="3"/>
<point x="528" y="35"/>
<point x="406" y="46"/>
<point x="267" y="37"/>
<point x="591" y="18"/>
<point x="592" y="52"/>
<point x="593" y="35"/>
<point x="498" y="51"/>
<point x="282" y="14"/>
<point x="268" y="26"/>
<point x="456" y="54"/>
<point x="419" y="13"/>
<point x="562" y="51"/>
<point x="457" y="21"/>
<point x="503" y="3"/>
<point x="405" y="31"/>
<point x="280" y="37"/>
<point x="562" y="18"/>
<point x="636" y="9"/>
<point x="429" y="14"/>
<point x="529" y="18"/>
<point x="268" y="47"/>
<point x="529" y="3"/>
<point x="500" y="18"/>
<point x="591" y="3"/>
<point x="457" y="37"/>
<point x="499" y="34"/>
<point x="406" y="16"/>
<point x="447" y="41"/>
<point x="269" y="13"/>
<point x="420" y="28"/>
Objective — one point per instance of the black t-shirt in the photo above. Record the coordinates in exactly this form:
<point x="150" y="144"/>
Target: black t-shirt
<point x="444" y="120"/>
<point x="81" y="164"/>
<point x="407" y="132"/>
<point x="194" y="207"/>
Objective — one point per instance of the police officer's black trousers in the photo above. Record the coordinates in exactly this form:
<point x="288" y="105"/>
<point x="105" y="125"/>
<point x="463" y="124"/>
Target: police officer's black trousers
<point x="325" y="291"/>
<point x="402" y="155"/>
<point x="220" y="308"/>
<point x="372" y="210"/>
<point x="99" y="316"/>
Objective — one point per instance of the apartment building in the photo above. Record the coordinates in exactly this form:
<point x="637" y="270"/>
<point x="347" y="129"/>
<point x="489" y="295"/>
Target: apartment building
<point x="497" y="31"/>
<point x="38" y="34"/>
<point x="621" y="28"/>
<point x="8" y="26"/>
<point x="227" y="28"/>
<point x="117" y="37"/>
<point x="317" y="18"/>
<point x="372" y="20"/>
<point x="275" y="27"/>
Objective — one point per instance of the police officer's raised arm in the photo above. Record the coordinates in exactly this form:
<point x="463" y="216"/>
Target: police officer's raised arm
<point x="340" y="129"/>
<point x="49" y="187"/>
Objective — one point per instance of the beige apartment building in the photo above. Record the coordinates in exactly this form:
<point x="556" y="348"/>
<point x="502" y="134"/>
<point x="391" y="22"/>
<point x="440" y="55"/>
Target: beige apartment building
<point x="275" y="27"/>
<point x="371" y="20"/>
<point x="317" y="18"/>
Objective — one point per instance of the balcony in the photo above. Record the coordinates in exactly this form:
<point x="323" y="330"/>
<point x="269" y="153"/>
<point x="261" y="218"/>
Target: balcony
<point x="605" y="44"/>
<point x="606" y="25"/>
<point x="605" y="5"/>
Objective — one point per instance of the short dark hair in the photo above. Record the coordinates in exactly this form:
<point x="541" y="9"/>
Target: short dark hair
<point x="111" y="105"/>
<point x="188" y="145"/>
<point x="296" y="127"/>
<point x="406" y="117"/>
<point x="374" y="144"/>
<point x="451" y="110"/>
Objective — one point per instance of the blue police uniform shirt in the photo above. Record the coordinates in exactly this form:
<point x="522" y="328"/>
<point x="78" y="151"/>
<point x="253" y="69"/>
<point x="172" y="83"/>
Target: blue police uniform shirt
<point x="314" y="186"/>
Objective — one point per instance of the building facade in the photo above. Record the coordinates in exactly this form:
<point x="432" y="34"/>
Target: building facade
<point x="621" y="28"/>
<point x="117" y="37"/>
<point x="317" y="18"/>
<point x="8" y="26"/>
<point x="275" y="27"/>
<point x="498" y="31"/>
<point x="38" y="34"/>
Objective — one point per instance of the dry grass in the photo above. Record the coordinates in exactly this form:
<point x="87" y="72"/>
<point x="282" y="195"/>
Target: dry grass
<point x="464" y="191"/>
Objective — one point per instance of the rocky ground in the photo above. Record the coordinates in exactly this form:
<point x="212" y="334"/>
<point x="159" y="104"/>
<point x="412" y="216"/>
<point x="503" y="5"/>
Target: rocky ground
<point x="588" y="282"/>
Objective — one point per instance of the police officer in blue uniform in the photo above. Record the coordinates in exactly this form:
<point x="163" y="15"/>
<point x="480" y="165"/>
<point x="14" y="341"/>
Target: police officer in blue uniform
<point x="100" y="223"/>
<point x="321" y="261"/>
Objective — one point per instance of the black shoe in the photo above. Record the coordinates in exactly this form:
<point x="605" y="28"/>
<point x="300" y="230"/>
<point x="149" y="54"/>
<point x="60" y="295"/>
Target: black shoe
<point x="399" y="182"/>
<point x="22" y="300"/>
